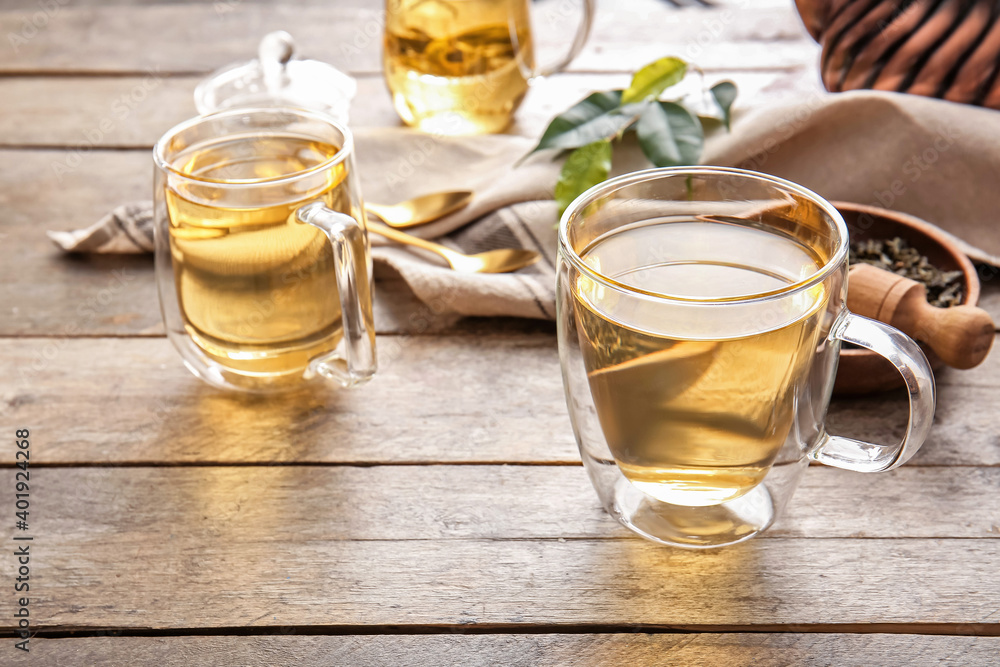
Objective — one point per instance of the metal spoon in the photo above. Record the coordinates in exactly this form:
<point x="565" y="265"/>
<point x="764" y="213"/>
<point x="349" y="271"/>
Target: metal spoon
<point x="492" y="261"/>
<point x="420" y="210"/>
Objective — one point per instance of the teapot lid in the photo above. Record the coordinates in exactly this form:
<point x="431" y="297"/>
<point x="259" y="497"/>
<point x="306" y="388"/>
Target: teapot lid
<point x="275" y="78"/>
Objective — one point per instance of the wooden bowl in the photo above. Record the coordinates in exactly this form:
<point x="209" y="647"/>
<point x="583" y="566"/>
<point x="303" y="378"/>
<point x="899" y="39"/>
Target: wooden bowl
<point x="862" y="371"/>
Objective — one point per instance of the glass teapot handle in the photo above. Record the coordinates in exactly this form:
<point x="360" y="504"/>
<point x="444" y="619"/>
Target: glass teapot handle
<point x="353" y="268"/>
<point x="579" y="40"/>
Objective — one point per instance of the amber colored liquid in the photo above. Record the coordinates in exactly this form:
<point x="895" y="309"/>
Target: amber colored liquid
<point x="256" y="288"/>
<point x="697" y="420"/>
<point x="457" y="67"/>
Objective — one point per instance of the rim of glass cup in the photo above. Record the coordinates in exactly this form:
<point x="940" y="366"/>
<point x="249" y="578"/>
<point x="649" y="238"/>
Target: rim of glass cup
<point x="608" y="187"/>
<point x="160" y="148"/>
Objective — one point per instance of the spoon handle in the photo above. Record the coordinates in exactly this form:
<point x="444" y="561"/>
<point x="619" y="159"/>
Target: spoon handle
<point x="406" y="239"/>
<point x="386" y="213"/>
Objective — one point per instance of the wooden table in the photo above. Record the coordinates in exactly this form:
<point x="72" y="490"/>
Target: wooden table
<point x="438" y="515"/>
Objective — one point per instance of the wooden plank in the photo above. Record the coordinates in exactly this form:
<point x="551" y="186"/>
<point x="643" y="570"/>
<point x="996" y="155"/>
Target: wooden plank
<point x="201" y="571"/>
<point x="555" y="650"/>
<point x="467" y="502"/>
<point x="127" y="112"/>
<point x="924" y="501"/>
<point x="200" y="37"/>
<point x="93" y="112"/>
<point x="486" y="398"/>
<point x="43" y="292"/>
<point x="476" y="398"/>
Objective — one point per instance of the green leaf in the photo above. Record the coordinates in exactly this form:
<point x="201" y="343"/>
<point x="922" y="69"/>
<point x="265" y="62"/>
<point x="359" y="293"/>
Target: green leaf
<point x="669" y="135"/>
<point x="586" y="167"/>
<point x="724" y="94"/>
<point x="599" y="116"/>
<point x="654" y="78"/>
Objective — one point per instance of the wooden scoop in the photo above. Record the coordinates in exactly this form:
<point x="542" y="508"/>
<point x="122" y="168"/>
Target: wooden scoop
<point x="961" y="335"/>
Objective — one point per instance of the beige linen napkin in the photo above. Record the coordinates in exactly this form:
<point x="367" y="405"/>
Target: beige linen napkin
<point x="936" y="160"/>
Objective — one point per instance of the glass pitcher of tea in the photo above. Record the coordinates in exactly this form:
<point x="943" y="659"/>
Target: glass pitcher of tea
<point x="460" y="67"/>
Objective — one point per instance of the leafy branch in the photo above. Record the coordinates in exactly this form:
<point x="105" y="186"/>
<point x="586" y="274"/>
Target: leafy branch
<point x="669" y="133"/>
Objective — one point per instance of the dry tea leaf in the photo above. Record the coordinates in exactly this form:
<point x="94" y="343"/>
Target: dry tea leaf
<point x="944" y="288"/>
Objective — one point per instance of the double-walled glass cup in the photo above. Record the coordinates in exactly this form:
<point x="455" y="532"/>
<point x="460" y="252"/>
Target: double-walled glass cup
<point x="262" y="259"/>
<point x="700" y="314"/>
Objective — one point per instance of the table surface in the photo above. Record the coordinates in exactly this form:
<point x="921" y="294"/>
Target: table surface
<point x="439" y="514"/>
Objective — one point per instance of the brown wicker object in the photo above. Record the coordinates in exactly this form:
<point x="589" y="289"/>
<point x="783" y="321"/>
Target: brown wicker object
<point x="938" y="48"/>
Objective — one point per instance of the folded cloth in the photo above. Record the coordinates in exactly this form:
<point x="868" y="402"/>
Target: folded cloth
<point x="125" y="230"/>
<point x="937" y="160"/>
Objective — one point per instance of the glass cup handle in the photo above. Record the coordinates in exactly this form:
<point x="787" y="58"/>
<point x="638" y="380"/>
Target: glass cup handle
<point x="579" y="40"/>
<point x="352" y="267"/>
<point x="912" y="364"/>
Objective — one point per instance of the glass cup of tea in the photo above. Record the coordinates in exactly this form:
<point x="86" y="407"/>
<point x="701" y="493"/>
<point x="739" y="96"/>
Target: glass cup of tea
<point x="458" y="67"/>
<point x="262" y="259"/>
<point x="700" y="317"/>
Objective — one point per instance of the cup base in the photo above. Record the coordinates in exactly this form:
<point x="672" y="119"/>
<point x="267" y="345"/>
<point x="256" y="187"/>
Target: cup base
<point x="693" y="527"/>
<point x="457" y="123"/>
<point x="209" y="370"/>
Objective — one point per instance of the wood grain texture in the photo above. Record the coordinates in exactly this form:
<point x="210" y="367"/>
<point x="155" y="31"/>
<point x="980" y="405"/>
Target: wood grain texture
<point x="43" y="291"/>
<point x="468" y="398"/>
<point x="477" y="397"/>
<point x="551" y="650"/>
<point x="488" y="398"/>
<point x="467" y="502"/>
<point x="131" y="111"/>
<point x="200" y="37"/>
<point x="204" y="571"/>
